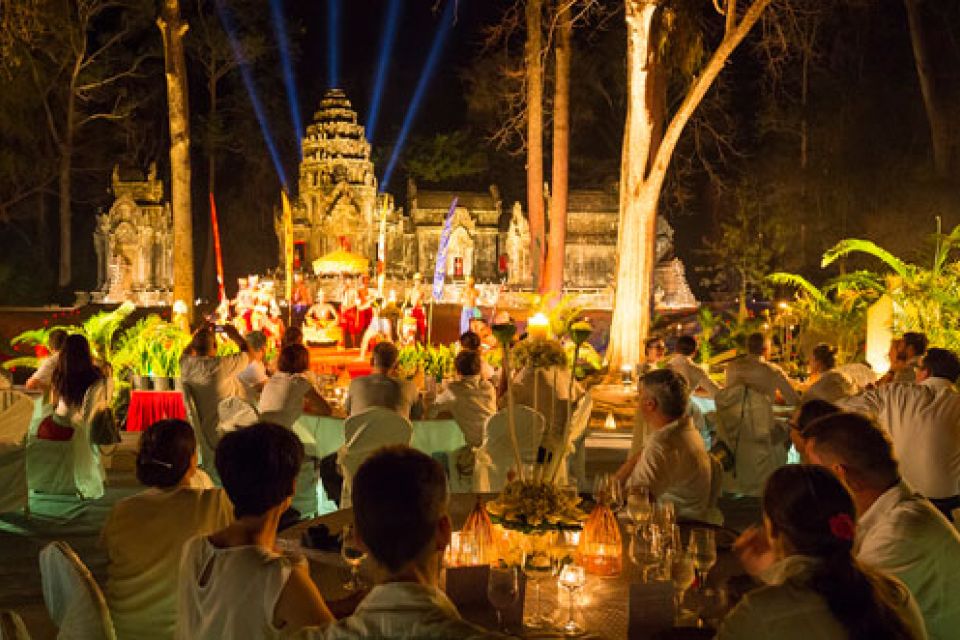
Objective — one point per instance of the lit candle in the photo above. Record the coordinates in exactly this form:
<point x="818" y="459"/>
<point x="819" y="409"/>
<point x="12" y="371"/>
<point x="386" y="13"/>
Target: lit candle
<point x="610" y="423"/>
<point x="538" y="326"/>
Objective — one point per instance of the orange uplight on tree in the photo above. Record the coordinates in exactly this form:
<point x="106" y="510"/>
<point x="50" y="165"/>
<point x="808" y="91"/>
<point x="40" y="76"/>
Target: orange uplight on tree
<point x="601" y="547"/>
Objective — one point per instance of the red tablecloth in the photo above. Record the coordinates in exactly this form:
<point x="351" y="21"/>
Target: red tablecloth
<point x="146" y="407"/>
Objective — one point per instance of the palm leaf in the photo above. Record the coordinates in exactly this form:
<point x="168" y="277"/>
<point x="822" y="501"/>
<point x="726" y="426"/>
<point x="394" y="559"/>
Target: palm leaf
<point x="26" y="362"/>
<point x="855" y="245"/>
<point x="798" y="282"/>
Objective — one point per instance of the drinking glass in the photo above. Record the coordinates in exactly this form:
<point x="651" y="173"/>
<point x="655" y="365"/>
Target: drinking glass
<point x="711" y="606"/>
<point x="503" y="589"/>
<point x="665" y="515"/>
<point x="681" y="573"/>
<point x="638" y="506"/>
<point x="538" y="565"/>
<point x="572" y="578"/>
<point x="703" y="548"/>
<point x="645" y="548"/>
<point x="601" y="490"/>
<point x="353" y="555"/>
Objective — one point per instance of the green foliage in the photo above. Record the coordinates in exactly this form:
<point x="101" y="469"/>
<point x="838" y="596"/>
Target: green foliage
<point x="150" y="347"/>
<point x="561" y="310"/>
<point x="100" y="329"/>
<point x="445" y="156"/>
<point x="432" y="361"/>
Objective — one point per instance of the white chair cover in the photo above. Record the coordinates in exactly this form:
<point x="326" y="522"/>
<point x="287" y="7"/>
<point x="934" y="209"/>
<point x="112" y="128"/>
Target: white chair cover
<point x="71" y="467"/>
<point x="372" y="429"/>
<point x="494" y="458"/>
<point x="745" y="422"/>
<point x="714" y="515"/>
<point x="576" y="464"/>
<point x="206" y="442"/>
<point x="12" y="627"/>
<point x="74" y="601"/>
<point x="235" y="413"/>
<point x="16" y="411"/>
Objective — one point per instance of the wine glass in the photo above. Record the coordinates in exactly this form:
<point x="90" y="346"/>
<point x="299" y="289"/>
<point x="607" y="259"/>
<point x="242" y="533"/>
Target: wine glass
<point x="638" y="506"/>
<point x="665" y="515"/>
<point x="503" y="589"/>
<point x="703" y="548"/>
<point x="601" y="491"/>
<point x="681" y="573"/>
<point x="538" y="565"/>
<point x="645" y="548"/>
<point x="572" y="578"/>
<point x="353" y="555"/>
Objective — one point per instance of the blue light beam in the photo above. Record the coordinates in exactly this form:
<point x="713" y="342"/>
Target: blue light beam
<point x="227" y="20"/>
<point x="280" y="31"/>
<point x="386" y="48"/>
<point x="333" y="44"/>
<point x="439" y="38"/>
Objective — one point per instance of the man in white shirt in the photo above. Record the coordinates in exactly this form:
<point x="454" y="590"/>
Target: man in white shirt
<point x="673" y="464"/>
<point x="470" y="400"/>
<point x="695" y="375"/>
<point x="914" y="346"/>
<point x="400" y="510"/>
<point x="752" y="370"/>
<point x="923" y="421"/>
<point x="382" y="388"/>
<point x="898" y="530"/>
<point x="43" y="376"/>
<point x="255" y="375"/>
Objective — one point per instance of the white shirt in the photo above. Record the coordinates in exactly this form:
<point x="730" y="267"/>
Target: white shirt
<point x="675" y="466"/>
<point x="923" y="421"/>
<point x="904" y="535"/>
<point x="695" y="375"/>
<point x="401" y="610"/>
<point x="230" y="593"/>
<point x="281" y="401"/>
<point x="254" y="375"/>
<point x="44" y="372"/>
<point x="471" y="400"/>
<point x="787" y="609"/>
<point x="212" y="379"/>
<point x="767" y="378"/>
<point x="832" y="386"/>
<point x="379" y="390"/>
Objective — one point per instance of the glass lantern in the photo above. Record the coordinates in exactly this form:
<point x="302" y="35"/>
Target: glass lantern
<point x="601" y="547"/>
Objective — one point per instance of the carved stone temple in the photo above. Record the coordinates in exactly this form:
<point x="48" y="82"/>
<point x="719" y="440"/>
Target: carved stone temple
<point x="134" y="242"/>
<point x="339" y="207"/>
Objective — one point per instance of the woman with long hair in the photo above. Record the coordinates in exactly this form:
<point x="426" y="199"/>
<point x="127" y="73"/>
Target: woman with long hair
<point x="815" y="588"/>
<point x="73" y="376"/>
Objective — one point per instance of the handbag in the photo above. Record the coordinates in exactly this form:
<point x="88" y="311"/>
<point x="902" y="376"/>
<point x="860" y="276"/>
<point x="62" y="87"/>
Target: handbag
<point x="104" y="429"/>
<point x="721" y="450"/>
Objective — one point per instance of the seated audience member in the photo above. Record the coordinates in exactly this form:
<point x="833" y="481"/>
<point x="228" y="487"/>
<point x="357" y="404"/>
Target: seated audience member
<point x="235" y="583"/>
<point x="470" y="399"/>
<point x="382" y="388"/>
<point x="814" y="587"/>
<point x="293" y="335"/>
<point x="143" y="534"/>
<point x="809" y="411"/>
<point x="898" y="531"/>
<point x="826" y="382"/>
<point x="923" y="421"/>
<point x="290" y="391"/>
<point x="400" y="511"/>
<point x="43" y="376"/>
<point x="695" y="375"/>
<point x="673" y="464"/>
<point x="470" y="341"/>
<point x="654" y="352"/>
<point x="914" y="346"/>
<point x="210" y="379"/>
<point x="73" y="376"/>
<point x="255" y="375"/>
<point x="752" y="370"/>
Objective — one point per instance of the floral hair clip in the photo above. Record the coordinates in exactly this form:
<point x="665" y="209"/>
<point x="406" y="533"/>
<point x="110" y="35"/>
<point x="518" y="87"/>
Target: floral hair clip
<point x="842" y="527"/>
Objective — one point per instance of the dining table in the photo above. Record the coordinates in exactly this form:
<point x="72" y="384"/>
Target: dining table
<point x="602" y="605"/>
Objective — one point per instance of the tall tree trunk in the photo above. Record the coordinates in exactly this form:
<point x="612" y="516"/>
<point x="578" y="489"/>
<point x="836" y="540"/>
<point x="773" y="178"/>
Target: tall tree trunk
<point x="640" y="189"/>
<point x="534" y="89"/>
<point x="66" y="182"/>
<point x="172" y="30"/>
<point x="937" y="118"/>
<point x="556" y="247"/>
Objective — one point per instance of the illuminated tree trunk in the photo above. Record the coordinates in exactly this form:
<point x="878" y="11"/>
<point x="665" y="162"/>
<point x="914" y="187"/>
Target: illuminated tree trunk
<point x="644" y="169"/>
<point x="556" y="247"/>
<point x="534" y="89"/>
<point x="937" y="119"/>
<point x="173" y="30"/>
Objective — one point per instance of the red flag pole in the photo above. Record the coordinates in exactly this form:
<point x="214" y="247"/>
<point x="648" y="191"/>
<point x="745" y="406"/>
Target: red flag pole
<point x="215" y="229"/>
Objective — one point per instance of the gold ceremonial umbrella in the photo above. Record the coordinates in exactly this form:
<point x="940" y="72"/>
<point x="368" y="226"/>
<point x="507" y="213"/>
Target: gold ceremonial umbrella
<point x="340" y="261"/>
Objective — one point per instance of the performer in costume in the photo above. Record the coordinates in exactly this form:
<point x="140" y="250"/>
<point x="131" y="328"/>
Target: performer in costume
<point x="468" y="300"/>
<point x="414" y="302"/>
<point x="301" y="299"/>
<point x="348" y="315"/>
<point x="321" y="322"/>
<point x="364" y="306"/>
<point x="391" y="312"/>
<point x="378" y="330"/>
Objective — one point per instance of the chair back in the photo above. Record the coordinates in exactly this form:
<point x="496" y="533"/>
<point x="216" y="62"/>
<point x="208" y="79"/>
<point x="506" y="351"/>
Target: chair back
<point x="745" y="422"/>
<point x="73" y="598"/>
<point x="12" y="627"/>
<point x="371" y="430"/>
<point x="16" y="412"/>
<point x="235" y="413"/>
<point x="714" y="515"/>
<point x="495" y="457"/>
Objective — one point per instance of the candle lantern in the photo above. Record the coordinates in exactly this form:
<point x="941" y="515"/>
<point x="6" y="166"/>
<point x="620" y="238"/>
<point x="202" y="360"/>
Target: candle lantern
<point x="538" y="326"/>
<point x="610" y="423"/>
<point x="601" y="548"/>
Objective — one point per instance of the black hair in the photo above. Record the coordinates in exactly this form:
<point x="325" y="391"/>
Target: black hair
<point x="293" y="335"/>
<point x="815" y="512"/>
<point x="467" y="363"/>
<point x="942" y="363"/>
<point x="75" y="371"/>
<point x="916" y="341"/>
<point x="56" y="339"/>
<point x="165" y="451"/>
<point x="812" y="410"/>
<point x="258" y="467"/>
<point x="755" y="343"/>
<point x="399" y="495"/>
<point x="825" y="355"/>
<point x="294" y="358"/>
<point x="385" y="355"/>
<point x="256" y="340"/>
<point x="686" y="345"/>
<point x="859" y="443"/>
<point x="470" y="340"/>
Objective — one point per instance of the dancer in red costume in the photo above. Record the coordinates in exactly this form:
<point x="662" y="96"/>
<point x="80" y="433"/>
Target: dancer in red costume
<point x="414" y="302"/>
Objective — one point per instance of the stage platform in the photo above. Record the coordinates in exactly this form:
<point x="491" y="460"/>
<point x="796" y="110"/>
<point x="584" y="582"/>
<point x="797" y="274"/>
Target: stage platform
<point x="327" y="360"/>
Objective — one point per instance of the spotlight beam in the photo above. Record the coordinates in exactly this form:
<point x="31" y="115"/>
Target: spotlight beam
<point x="439" y="38"/>
<point x="333" y="44"/>
<point x="386" y="48"/>
<point x="230" y="28"/>
<point x="283" y="40"/>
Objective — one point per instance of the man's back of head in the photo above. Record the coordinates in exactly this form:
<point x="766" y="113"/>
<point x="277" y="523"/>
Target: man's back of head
<point x="257" y="341"/>
<point x="385" y="355"/>
<point x="399" y="500"/>
<point x="686" y="345"/>
<point x="915" y="343"/>
<point x="669" y="390"/>
<point x="941" y="363"/>
<point x="858" y="444"/>
<point x="756" y="344"/>
<point x="56" y="339"/>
